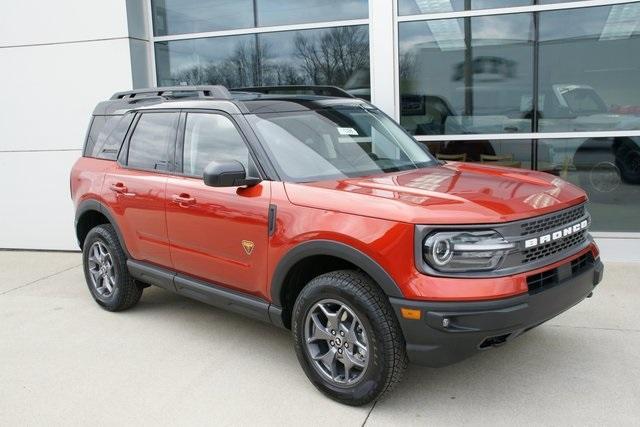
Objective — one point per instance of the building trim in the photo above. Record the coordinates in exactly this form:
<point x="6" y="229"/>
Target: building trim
<point x="537" y="135"/>
<point x="259" y="30"/>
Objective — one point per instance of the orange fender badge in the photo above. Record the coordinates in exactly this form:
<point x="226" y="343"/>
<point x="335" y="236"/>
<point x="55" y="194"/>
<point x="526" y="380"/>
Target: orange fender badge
<point x="248" y="246"/>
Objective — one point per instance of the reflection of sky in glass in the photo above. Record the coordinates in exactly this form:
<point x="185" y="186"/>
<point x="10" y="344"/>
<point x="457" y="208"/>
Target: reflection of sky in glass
<point x="279" y="12"/>
<point x="316" y="56"/>
<point x="194" y="16"/>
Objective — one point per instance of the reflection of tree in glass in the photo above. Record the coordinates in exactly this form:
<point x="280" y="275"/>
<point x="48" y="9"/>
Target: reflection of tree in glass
<point x="334" y="56"/>
<point x="328" y="56"/>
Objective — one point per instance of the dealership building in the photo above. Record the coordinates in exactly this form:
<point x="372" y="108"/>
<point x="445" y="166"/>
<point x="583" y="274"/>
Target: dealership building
<point x="547" y="85"/>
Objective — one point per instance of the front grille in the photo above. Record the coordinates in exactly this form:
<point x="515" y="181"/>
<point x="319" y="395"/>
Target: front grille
<point x="539" y="282"/>
<point x="551" y="248"/>
<point x="553" y="221"/>
<point x="581" y="263"/>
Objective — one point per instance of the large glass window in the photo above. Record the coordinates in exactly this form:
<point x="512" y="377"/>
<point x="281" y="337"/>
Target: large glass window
<point x="211" y="137"/>
<point x="415" y="7"/>
<point x="469" y="75"/>
<point x="589" y="73"/>
<point x="153" y="141"/>
<point x="230" y="61"/>
<point x="509" y="153"/>
<point x="329" y="56"/>
<point x="194" y="16"/>
<point x="279" y="12"/>
<point x="608" y="169"/>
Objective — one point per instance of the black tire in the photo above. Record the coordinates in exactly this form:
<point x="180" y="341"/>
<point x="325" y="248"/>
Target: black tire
<point x="387" y="358"/>
<point x="628" y="161"/>
<point x="126" y="292"/>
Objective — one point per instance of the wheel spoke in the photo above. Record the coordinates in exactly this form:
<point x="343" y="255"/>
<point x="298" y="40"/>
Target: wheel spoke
<point x="328" y="360"/>
<point x="319" y="332"/>
<point x="353" y="360"/>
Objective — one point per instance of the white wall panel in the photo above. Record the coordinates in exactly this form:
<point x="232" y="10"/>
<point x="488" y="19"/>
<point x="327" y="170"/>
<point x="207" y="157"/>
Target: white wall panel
<point x="54" y="88"/>
<point x="26" y="22"/>
<point x="36" y="211"/>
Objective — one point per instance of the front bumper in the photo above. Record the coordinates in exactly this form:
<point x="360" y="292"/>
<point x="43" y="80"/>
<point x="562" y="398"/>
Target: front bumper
<point x="449" y="332"/>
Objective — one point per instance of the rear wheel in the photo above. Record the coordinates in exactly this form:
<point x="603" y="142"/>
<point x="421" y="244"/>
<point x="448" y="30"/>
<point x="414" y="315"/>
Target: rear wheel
<point x="105" y="270"/>
<point x="347" y="337"/>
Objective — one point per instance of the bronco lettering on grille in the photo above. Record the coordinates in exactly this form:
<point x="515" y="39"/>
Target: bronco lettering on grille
<point x="556" y="235"/>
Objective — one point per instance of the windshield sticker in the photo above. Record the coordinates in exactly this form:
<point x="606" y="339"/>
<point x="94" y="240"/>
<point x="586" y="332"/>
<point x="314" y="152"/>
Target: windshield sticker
<point x="347" y="131"/>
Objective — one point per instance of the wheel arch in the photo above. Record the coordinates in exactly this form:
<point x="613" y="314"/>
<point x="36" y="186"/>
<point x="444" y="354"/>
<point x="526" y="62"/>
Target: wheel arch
<point x="91" y="213"/>
<point x="324" y="256"/>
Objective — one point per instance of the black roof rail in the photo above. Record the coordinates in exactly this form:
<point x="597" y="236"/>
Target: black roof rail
<point x="316" y="89"/>
<point x="218" y="92"/>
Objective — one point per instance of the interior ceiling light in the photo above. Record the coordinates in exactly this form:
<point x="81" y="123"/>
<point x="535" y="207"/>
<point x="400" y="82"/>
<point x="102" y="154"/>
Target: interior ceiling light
<point x="621" y="22"/>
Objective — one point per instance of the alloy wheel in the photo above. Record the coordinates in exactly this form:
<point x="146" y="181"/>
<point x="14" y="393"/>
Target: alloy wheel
<point x="336" y="341"/>
<point x="101" y="269"/>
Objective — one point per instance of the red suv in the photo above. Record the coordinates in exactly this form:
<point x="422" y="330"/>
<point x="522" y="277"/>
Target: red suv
<point x="319" y="214"/>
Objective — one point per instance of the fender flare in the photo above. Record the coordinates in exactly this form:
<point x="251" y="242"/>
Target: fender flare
<point x="94" y="205"/>
<point x="335" y="249"/>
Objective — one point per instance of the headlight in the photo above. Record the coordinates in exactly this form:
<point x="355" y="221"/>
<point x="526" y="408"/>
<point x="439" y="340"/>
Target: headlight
<point x="465" y="250"/>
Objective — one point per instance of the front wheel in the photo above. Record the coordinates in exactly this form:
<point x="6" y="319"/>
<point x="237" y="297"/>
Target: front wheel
<point x="347" y="337"/>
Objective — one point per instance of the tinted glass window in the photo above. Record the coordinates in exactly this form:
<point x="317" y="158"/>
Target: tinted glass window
<point x="229" y="61"/>
<point x="211" y="137"/>
<point x="589" y="78"/>
<point x="106" y="136"/>
<point x="337" y="142"/>
<point x="279" y="12"/>
<point x="469" y="75"/>
<point x="153" y="141"/>
<point x="332" y="56"/>
<point x="195" y="16"/>
<point x="415" y="7"/>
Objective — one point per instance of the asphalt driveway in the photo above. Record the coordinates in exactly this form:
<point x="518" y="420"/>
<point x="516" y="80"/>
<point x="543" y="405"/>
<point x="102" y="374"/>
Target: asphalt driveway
<point x="170" y="361"/>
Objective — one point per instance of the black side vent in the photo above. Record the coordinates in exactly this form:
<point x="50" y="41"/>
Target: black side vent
<point x="541" y="281"/>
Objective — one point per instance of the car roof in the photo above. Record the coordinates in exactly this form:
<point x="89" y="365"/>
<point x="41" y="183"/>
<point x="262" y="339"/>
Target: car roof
<point x="234" y="102"/>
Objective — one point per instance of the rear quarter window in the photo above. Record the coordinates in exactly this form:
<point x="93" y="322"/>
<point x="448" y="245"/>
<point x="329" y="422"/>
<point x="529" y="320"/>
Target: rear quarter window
<point x="106" y="135"/>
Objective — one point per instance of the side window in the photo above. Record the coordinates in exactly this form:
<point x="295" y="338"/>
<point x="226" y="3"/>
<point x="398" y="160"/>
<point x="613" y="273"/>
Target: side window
<point x="212" y="137"/>
<point x="106" y="136"/>
<point x="153" y="140"/>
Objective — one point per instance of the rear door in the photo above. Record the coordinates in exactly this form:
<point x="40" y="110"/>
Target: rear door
<point x="135" y="188"/>
<point x="217" y="234"/>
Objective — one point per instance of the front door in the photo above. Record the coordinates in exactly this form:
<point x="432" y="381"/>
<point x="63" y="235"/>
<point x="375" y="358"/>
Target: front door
<point x="217" y="234"/>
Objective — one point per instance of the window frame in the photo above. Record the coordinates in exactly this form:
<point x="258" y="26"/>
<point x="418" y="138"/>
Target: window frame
<point x="178" y="159"/>
<point x="123" y="155"/>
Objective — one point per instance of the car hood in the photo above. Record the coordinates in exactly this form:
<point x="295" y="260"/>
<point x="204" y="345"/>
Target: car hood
<point x="453" y="193"/>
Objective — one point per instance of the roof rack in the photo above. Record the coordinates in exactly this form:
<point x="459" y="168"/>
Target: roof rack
<point x="317" y="90"/>
<point x="218" y="92"/>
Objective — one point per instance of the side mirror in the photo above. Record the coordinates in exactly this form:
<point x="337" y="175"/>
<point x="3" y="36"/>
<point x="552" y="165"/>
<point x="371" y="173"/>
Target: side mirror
<point x="227" y="174"/>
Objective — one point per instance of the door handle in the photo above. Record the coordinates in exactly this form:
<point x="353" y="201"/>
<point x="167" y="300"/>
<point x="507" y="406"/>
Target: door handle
<point x="120" y="188"/>
<point x="183" y="199"/>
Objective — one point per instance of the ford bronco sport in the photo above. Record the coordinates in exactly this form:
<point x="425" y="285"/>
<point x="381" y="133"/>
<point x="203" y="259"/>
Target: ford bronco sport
<point x="319" y="214"/>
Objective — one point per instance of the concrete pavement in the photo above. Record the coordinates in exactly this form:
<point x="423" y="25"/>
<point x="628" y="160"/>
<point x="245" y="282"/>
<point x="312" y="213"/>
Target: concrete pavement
<point x="171" y="361"/>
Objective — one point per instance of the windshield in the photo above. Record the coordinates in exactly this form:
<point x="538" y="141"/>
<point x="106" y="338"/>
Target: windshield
<point x="337" y="142"/>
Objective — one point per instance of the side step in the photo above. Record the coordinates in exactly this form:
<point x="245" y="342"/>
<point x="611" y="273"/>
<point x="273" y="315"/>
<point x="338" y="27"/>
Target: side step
<point x="208" y="293"/>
